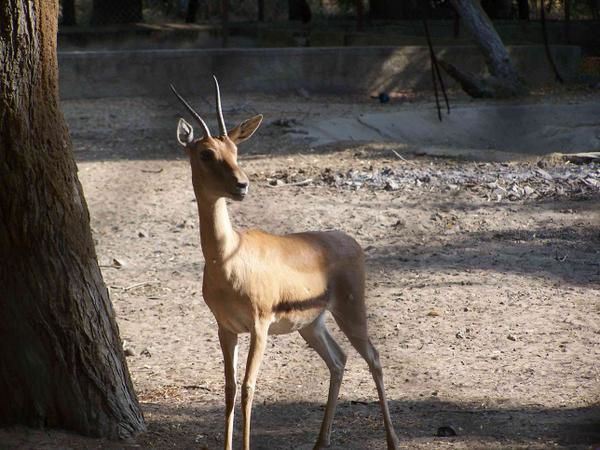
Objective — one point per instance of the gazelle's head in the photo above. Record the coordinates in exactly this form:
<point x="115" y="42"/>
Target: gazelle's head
<point x="215" y="172"/>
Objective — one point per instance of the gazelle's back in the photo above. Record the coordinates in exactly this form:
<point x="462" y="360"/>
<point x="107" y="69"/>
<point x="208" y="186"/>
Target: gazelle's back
<point x="322" y="251"/>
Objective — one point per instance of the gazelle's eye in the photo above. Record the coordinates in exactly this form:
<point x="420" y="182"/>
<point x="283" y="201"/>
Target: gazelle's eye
<point x="207" y="155"/>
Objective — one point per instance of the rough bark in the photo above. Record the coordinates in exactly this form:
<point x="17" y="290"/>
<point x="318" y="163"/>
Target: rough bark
<point x="62" y="360"/>
<point x="111" y="12"/>
<point x="503" y="80"/>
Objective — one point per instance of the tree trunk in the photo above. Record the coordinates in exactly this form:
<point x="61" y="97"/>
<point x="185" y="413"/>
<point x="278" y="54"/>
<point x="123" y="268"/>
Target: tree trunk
<point x="567" y="6"/>
<point x="68" y="13"/>
<point x="523" y="7"/>
<point x="503" y="80"/>
<point x="192" y="9"/>
<point x="360" y="15"/>
<point x="407" y="9"/>
<point x="594" y="8"/>
<point x="456" y="25"/>
<point x="497" y="9"/>
<point x="261" y="10"/>
<point x="111" y="12"/>
<point x="299" y="10"/>
<point x="62" y="360"/>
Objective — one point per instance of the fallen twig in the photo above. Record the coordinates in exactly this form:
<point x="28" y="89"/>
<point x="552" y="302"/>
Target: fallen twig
<point x="114" y="264"/>
<point x="580" y="158"/>
<point x="297" y="183"/>
<point x="136" y="285"/>
<point x="398" y="154"/>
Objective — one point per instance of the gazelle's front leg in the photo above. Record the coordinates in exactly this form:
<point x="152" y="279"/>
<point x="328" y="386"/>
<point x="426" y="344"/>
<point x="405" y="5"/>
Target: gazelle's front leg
<point x="229" y="347"/>
<point x="258" y="342"/>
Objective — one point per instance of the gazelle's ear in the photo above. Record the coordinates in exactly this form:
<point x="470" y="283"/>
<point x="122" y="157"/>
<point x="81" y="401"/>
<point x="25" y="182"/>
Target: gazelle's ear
<point x="185" y="133"/>
<point x="245" y="129"/>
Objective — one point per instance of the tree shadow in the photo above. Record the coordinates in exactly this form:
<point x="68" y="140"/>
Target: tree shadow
<point x="120" y="134"/>
<point x="358" y="425"/>
<point x="566" y="253"/>
<point x="565" y="204"/>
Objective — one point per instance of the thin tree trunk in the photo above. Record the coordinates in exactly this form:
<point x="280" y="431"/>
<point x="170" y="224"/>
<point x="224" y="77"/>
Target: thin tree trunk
<point x="68" y="13"/>
<point x="594" y="8"/>
<point x="110" y="12"/>
<point x="360" y="15"/>
<point x="456" y="25"/>
<point x="192" y="9"/>
<point x="523" y="8"/>
<point x="261" y="10"/>
<point x="62" y="360"/>
<point x="299" y="10"/>
<point x="503" y="80"/>
<point x="567" y="5"/>
<point x="559" y="78"/>
<point x="497" y="9"/>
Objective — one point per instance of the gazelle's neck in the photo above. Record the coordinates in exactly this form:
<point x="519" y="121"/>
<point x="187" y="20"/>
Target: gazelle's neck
<point x="217" y="237"/>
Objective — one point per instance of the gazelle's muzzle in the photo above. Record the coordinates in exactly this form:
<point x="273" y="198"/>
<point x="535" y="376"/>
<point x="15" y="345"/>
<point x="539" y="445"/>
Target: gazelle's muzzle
<point x="241" y="187"/>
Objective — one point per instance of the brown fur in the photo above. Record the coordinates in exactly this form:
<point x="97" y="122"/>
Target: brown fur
<point x="260" y="283"/>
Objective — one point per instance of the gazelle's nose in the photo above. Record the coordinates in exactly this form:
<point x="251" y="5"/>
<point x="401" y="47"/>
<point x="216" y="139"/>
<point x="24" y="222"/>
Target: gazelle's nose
<point x="242" y="187"/>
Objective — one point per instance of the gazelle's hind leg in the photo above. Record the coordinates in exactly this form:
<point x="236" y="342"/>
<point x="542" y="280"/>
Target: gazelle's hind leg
<point x="318" y="337"/>
<point x="349" y="311"/>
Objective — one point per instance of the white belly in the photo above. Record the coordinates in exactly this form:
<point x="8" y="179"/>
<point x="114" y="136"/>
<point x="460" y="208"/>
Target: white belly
<point x="289" y="323"/>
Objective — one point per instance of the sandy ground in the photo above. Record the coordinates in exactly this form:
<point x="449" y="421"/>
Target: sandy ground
<point x="486" y="310"/>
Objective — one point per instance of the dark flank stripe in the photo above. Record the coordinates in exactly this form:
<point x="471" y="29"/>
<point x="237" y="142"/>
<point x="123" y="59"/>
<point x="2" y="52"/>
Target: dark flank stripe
<point x="302" y="305"/>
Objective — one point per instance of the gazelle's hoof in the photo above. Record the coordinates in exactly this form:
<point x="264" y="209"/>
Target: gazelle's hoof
<point x="321" y="444"/>
<point x="393" y="443"/>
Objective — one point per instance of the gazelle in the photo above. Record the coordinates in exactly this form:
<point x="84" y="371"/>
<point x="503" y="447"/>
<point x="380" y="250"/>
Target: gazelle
<point x="261" y="283"/>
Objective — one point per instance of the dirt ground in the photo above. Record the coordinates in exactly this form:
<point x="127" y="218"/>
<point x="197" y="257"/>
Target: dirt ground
<point x="485" y="308"/>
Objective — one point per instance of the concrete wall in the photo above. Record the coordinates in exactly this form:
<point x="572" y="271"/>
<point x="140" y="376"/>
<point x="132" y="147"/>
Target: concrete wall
<point x="359" y="70"/>
<point x="338" y="33"/>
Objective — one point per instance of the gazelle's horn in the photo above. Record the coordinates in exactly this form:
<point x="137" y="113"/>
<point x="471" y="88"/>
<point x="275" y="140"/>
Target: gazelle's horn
<point x="222" y="128"/>
<point x="192" y="111"/>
